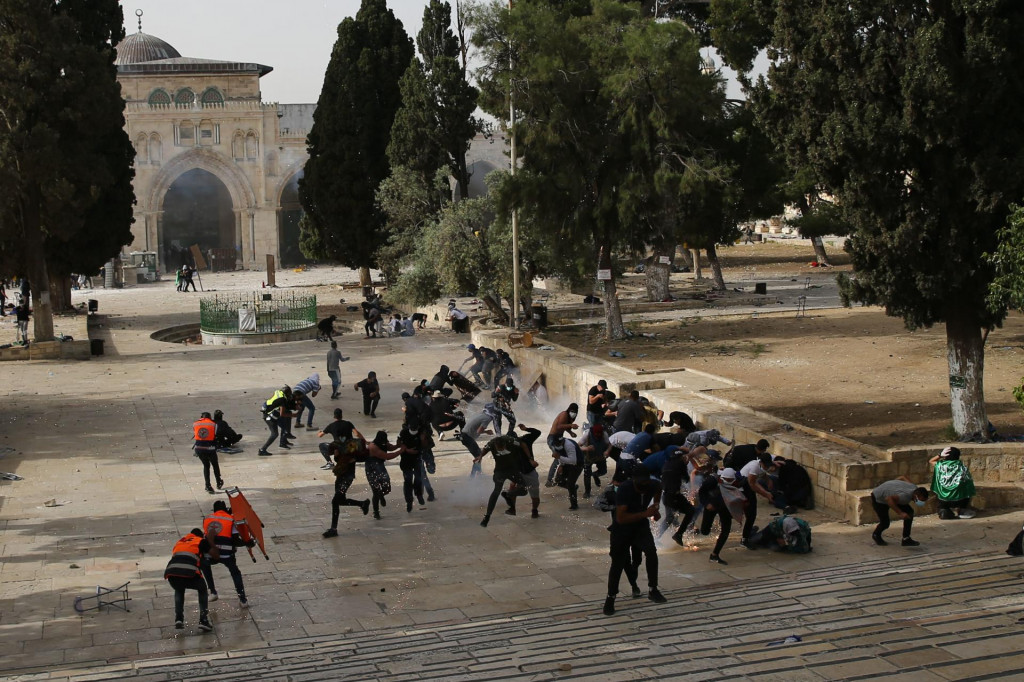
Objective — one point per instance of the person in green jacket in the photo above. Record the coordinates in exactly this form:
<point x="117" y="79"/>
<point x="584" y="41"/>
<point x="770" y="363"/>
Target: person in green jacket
<point x="953" y="485"/>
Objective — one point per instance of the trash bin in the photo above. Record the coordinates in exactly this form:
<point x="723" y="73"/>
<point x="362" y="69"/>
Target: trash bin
<point x="94" y="305"/>
<point x="539" y="312"/>
<point x="761" y="288"/>
<point x="96" y="346"/>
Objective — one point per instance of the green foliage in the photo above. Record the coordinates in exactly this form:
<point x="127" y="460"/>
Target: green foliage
<point x="911" y="117"/>
<point x="348" y="142"/>
<point x="821" y="218"/>
<point x="408" y="203"/>
<point x="1007" y="288"/>
<point x="65" y="159"/>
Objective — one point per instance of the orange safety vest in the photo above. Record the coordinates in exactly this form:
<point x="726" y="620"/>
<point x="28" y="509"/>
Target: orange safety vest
<point x="205" y="431"/>
<point x="225" y="523"/>
<point x="184" y="561"/>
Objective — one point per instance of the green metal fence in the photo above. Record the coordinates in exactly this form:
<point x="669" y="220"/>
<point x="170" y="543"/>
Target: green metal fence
<point x="256" y="313"/>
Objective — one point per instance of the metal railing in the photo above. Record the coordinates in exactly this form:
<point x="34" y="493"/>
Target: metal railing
<point x="256" y="313"/>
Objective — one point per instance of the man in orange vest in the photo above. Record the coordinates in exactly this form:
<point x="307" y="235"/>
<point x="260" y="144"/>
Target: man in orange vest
<point x="184" y="572"/>
<point x="205" y="434"/>
<point x="220" y="528"/>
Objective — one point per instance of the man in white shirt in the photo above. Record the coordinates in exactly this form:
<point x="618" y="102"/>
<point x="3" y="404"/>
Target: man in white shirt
<point x="754" y="471"/>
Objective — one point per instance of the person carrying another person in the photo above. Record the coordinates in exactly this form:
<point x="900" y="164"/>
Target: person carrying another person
<point x="897" y="495"/>
<point x="952" y="484"/>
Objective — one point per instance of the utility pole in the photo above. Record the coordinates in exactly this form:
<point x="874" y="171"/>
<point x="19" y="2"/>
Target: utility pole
<point x="512" y="172"/>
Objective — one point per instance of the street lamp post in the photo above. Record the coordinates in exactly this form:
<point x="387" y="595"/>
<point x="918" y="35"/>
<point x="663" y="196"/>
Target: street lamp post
<point x="512" y="171"/>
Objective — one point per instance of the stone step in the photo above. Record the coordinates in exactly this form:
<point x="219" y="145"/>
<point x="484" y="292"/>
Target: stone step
<point x="948" y="613"/>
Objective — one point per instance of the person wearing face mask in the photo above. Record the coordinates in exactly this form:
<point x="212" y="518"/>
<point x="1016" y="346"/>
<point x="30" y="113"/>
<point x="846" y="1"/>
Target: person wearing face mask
<point x="636" y="501"/>
<point x="897" y="495"/>
<point x="563" y="423"/>
<point x="508" y="455"/>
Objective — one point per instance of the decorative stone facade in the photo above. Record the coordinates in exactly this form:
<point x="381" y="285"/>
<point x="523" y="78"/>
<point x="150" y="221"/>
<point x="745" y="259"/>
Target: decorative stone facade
<point x="215" y="165"/>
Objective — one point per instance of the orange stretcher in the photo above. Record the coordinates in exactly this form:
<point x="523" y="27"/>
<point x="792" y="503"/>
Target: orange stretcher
<point x="248" y="523"/>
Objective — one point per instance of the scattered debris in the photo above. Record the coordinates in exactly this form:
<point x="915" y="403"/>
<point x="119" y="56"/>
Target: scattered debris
<point x="616" y="354"/>
<point x="789" y="640"/>
<point x="10" y="477"/>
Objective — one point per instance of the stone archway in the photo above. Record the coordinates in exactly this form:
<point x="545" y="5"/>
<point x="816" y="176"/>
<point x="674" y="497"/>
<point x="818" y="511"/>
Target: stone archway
<point x="288" y="215"/>
<point x="197" y="209"/>
<point x="226" y="177"/>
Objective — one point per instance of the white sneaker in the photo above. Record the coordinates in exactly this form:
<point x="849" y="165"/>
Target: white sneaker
<point x="213" y="596"/>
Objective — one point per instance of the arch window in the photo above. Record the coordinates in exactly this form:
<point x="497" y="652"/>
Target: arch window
<point x="141" y="150"/>
<point x="252" y="146"/>
<point x="160" y="98"/>
<point x="185" y="97"/>
<point x="212" y="97"/>
<point x="156" y="150"/>
<point x="238" y="146"/>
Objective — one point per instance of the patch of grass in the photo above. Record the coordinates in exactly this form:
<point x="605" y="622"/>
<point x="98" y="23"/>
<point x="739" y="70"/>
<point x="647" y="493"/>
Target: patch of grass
<point x="949" y="433"/>
<point x="756" y="349"/>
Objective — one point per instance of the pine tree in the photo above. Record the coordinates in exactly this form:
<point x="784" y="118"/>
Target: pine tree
<point x="348" y="142"/>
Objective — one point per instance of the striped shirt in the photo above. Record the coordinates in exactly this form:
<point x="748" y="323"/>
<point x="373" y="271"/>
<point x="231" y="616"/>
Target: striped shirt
<point x="307" y="386"/>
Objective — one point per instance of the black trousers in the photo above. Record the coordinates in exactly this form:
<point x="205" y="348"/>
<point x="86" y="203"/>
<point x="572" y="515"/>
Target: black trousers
<point x="624" y="542"/>
<point x="568" y="475"/>
<point x="179" y="585"/>
<point x="209" y="459"/>
<point x="724" y="518"/>
<point x="593" y="470"/>
<point x="370" y="404"/>
<point x="883" y="517"/>
<point x="231" y="563"/>
<point x="749" y="517"/>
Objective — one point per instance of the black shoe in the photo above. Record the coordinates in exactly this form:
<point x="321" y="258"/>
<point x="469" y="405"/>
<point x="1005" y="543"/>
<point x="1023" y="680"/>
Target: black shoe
<point x="573" y="506"/>
<point x="485" y="521"/>
<point x="636" y="591"/>
<point x="205" y="625"/>
<point x="285" y="446"/>
<point x="330" y="533"/>
<point x="534" y="514"/>
<point x="179" y="624"/>
<point x="365" y="504"/>
<point x="220" y="484"/>
<point x="714" y="558"/>
<point x="383" y="501"/>
<point x="373" y="415"/>
<point x="511" y="511"/>
<point x="376" y="515"/>
<point x="947" y="514"/>
<point x="211" y="490"/>
<point x="678" y="538"/>
<point x="408" y="507"/>
<point x="878" y="539"/>
<point x="430" y="497"/>
<point x="910" y="542"/>
<point x="609" y="606"/>
<point x="264" y="453"/>
<point x="656" y="596"/>
<point x="421" y="501"/>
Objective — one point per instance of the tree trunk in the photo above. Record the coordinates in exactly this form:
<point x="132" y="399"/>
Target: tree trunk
<point x="685" y="256"/>
<point x="527" y="293"/>
<point x="695" y="255"/>
<point x="364" y="276"/>
<point x="614" y="327"/>
<point x="819" y="251"/>
<point x="965" y="354"/>
<point x="716" y="269"/>
<point x="35" y="267"/>
<point x="656" y="276"/>
<point x="60" y="293"/>
<point x="500" y="316"/>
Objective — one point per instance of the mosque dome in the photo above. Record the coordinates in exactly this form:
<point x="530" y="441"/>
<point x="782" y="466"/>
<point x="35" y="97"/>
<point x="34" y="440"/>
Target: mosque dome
<point x="142" y="47"/>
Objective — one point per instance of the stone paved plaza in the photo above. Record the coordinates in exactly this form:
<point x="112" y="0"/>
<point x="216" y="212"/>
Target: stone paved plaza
<point x="110" y="484"/>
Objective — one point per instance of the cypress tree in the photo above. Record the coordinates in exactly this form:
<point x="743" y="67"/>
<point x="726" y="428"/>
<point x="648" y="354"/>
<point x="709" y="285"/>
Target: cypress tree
<point x="348" y="141"/>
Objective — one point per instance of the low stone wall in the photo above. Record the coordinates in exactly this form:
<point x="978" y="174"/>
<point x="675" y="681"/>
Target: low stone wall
<point x="75" y="326"/>
<point x="250" y="338"/>
<point x="843" y="471"/>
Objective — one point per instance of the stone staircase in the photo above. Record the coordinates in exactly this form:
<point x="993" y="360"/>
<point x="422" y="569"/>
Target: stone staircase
<point x="924" y="616"/>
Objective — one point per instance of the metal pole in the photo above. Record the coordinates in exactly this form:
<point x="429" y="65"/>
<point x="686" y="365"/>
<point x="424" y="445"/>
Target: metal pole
<point x="512" y="172"/>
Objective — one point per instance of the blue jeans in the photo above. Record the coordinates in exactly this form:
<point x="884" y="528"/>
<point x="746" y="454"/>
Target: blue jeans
<point x="335" y="376"/>
<point x="306" y="403"/>
<point x="231" y="563"/>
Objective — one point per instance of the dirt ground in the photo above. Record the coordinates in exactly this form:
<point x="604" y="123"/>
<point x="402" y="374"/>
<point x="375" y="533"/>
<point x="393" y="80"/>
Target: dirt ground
<point x="856" y="372"/>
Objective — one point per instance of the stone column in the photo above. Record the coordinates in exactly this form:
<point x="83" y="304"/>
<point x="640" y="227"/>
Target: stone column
<point x="239" y="240"/>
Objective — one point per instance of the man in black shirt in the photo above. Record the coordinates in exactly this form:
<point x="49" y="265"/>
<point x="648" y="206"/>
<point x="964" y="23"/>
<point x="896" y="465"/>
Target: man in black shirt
<point x="410" y="462"/>
<point x="596" y="403"/>
<point x="673" y="475"/>
<point x="742" y="455"/>
<point x="341" y="432"/>
<point x="529" y="471"/>
<point x="508" y="454"/>
<point x="371" y="394"/>
<point x="636" y="501"/>
<point x="440" y="380"/>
